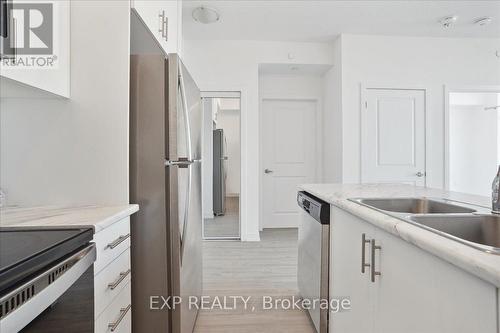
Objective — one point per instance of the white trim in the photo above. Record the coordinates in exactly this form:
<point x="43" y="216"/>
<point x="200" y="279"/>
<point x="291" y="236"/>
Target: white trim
<point x="241" y="92"/>
<point x="456" y="89"/>
<point x="396" y="86"/>
<point x="317" y="99"/>
<point x="220" y="94"/>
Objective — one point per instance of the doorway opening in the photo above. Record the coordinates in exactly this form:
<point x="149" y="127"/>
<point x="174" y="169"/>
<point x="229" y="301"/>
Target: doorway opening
<point x="221" y="176"/>
<point x="472" y="139"/>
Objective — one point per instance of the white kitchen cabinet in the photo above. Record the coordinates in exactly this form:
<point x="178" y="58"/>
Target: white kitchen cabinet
<point x="112" y="277"/>
<point x="416" y="291"/>
<point x="345" y="272"/>
<point x="163" y="19"/>
<point x="49" y="72"/>
<point x="117" y="317"/>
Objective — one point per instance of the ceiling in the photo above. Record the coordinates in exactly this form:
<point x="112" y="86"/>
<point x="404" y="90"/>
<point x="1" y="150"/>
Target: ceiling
<point x="321" y="21"/>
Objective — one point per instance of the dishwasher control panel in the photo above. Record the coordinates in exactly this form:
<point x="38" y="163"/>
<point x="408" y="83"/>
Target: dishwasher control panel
<point x="317" y="208"/>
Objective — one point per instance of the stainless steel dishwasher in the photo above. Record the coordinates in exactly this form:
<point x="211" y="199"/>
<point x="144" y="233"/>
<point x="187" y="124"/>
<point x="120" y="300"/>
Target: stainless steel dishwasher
<point x="313" y="256"/>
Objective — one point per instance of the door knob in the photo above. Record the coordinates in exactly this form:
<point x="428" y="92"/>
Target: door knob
<point x="420" y="174"/>
<point x="268" y="171"/>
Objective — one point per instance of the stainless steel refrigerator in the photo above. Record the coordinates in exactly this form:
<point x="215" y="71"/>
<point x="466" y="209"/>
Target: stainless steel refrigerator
<point x="165" y="180"/>
<point x="219" y="172"/>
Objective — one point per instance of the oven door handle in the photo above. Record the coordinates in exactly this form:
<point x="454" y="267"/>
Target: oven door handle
<point x="46" y="288"/>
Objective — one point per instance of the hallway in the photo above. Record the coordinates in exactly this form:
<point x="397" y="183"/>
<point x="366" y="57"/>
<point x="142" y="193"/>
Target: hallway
<point x="256" y="269"/>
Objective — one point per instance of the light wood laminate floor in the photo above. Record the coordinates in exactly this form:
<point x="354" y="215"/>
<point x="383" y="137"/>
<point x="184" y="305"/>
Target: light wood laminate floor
<point x="227" y="225"/>
<point x="256" y="269"/>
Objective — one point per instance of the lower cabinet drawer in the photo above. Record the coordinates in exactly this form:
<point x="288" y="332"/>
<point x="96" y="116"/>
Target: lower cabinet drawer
<point x="117" y="317"/>
<point x="111" y="242"/>
<point x="110" y="281"/>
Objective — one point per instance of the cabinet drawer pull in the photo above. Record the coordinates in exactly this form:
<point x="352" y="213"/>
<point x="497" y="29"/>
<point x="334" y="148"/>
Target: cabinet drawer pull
<point x="122" y="277"/>
<point x="364" y="241"/>
<point x="163" y="25"/>
<point x="117" y="241"/>
<point x="123" y="313"/>
<point x="374" y="273"/>
<point x="165" y="28"/>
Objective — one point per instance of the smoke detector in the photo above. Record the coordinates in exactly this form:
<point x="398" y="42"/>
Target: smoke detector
<point x="205" y="15"/>
<point x="448" y="21"/>
<point x="483" y="21"/>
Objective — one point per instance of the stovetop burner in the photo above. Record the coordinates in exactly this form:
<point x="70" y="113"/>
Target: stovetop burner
<point x="25" y="251"/>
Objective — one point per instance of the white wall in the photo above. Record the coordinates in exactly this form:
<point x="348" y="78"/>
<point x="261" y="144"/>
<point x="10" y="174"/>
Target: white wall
<point x="233" y="65"/>
<point x="332" y="118"/>
<point x="409" y="62"/>
<point x="75" y="151"/>
<point x="229" y="121"/>
<point x="474" y="142"/>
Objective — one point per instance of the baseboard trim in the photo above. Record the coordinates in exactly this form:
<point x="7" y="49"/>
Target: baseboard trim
<point x="251" y="238"/>
<point x="281" y="226"/>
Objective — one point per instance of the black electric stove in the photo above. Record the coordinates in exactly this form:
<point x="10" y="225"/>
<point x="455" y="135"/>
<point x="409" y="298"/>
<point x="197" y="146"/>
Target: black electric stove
<point x="25" y="251"/>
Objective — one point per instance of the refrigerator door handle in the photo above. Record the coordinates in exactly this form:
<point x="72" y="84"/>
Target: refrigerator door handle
<point x="187" y="161"/>
<point x="182" y="162"/>
<point x="187" y="123"/>
<point x="186" y="212"/>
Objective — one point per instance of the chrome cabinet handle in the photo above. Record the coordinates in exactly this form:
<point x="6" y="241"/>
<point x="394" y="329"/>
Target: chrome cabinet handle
<point x="122" y="277"/>
<point x="123" y="313"/>
<point x="268" y="171"/>
<point x="375" y="247"/>
<point x="420" y="174"/>
<point x="162" y="24"/>
<point x="165" y="28"/>
<point x="364" y="241"/>
<point x="117" y="241"/>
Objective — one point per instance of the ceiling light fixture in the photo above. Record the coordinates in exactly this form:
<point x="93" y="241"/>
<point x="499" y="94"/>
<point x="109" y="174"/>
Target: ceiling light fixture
<point x="483" y="21"/>
<point x="205" y="15"/>
<point x="448" y="21"/>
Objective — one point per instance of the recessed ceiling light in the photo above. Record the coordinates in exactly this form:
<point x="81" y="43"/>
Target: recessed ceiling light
<point x="205" y="15"/>
<point x="483" y="21"/>
<point x="448" y="21"/>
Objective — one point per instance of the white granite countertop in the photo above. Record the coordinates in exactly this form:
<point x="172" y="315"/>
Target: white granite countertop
<point x="481" y="264"/>
<point x="96" y="217"/>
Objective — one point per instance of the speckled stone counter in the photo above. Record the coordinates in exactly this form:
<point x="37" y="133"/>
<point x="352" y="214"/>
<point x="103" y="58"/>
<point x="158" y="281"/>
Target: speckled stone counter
<point x="96" y="217"/>
<point x="481" y="264"/>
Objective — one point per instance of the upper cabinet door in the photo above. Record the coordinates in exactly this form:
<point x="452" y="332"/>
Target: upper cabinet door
<point x="162" y="18"/>
<point x="35" y="48"/>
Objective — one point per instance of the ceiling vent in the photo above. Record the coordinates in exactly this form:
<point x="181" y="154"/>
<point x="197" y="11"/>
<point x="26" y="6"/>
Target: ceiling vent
<point x="448" y="21"/>
<point x="483" y="21"/>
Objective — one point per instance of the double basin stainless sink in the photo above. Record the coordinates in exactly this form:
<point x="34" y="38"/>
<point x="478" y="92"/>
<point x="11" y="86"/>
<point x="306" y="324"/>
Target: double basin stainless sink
<point x="471" y="225"/>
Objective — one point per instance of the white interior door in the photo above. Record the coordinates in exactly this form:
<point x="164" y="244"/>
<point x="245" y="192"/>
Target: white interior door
<point x="289" y="158"/>
<point x="393" y="136"/>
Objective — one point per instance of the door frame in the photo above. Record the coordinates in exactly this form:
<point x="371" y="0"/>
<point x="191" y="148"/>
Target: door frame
<point x="243" y="209"/>
<point x="318" y="139"/>
<point x="448" y="89"/>
<point x="364" y="87"/>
